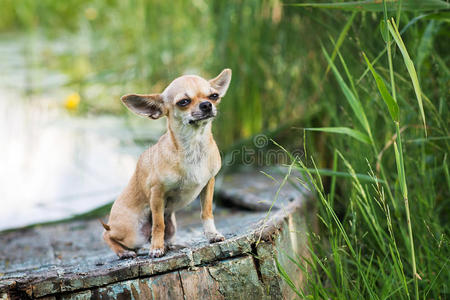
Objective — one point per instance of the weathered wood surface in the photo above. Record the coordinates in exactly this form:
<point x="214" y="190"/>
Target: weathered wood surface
<point x="70" y="261"/>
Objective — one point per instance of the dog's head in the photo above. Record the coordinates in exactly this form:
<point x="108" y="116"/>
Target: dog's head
<point x="189" y="100"/>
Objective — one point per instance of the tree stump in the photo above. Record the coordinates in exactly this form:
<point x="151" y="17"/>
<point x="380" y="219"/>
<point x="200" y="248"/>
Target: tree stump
<point x="71" y="261"/>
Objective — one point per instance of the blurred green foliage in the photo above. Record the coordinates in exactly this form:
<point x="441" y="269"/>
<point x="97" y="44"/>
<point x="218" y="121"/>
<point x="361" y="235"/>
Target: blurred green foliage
<point x="139" y="46"/>
<point x="274" y="51"/>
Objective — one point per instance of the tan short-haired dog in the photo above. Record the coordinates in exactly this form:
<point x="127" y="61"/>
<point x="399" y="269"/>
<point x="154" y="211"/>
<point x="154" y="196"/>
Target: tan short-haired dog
<point x="173" y="172"/>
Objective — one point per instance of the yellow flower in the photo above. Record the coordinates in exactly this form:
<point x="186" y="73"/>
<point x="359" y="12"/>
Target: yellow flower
<point x="90" y="13"/>
<point x="72" y="101"/>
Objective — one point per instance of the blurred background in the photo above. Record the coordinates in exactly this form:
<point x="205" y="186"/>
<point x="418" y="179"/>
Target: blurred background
<point x="68" y="145"/>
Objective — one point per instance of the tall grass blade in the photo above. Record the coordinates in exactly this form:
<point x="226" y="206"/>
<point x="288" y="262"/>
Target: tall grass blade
<point x="388" y="99"/>
<point x="402" y="179"/>
<point x="287" y="279"/>
<point x="400" y="171"/>
<point x="351" y="98"/>
<point x="347" y="72"/>
<point x="435" y="278"/>
<point x="344" y="130"/>
<point x="377" y="6"/>
<point x="399" y="11"/>
<point x="341" y="39"/>
<point x="446" y="172"/>
<point x="333" y="177"/>
<point x="384" y="31"/>
<point x="410" y="67"/>
<point x="373" y="63"/>
<point x="388" y="49"/>
<point x="340" y="174"/>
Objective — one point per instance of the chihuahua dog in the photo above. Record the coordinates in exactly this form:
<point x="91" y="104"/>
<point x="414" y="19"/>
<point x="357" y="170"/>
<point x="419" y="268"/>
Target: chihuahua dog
<point x="173" y="172"/>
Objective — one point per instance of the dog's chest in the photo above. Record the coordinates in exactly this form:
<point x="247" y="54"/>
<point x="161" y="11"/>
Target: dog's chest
<point x="197" y="171"/>
<point x="187" y="188"/>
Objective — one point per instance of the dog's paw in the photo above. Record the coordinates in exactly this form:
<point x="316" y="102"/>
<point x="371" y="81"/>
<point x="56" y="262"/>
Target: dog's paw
<point x="126" y="254"/>
<point x="156" y="253"/>
<point x="214" y="237"/>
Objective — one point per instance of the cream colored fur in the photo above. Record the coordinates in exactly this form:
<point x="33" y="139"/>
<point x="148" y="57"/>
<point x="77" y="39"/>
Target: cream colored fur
<point x="173" y="172"/>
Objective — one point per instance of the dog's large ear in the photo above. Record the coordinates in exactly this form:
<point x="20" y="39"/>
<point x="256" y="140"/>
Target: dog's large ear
<point x="151" y="106"/>
<point x="222" y="82"/>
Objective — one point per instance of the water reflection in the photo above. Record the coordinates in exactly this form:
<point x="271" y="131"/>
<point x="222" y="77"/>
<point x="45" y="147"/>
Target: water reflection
<point x="55" y="164"/>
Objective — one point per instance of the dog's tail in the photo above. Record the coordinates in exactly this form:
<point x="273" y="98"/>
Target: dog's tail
<point x="106" y="226"/>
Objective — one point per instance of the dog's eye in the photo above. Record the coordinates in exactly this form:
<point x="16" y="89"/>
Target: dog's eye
<point x="183" y="102"/>
<point x="214" y="96"/>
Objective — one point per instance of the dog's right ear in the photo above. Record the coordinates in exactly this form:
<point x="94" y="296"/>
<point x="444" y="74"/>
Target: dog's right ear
<point x="221" y="82"/>
<point x="151" y="106"/>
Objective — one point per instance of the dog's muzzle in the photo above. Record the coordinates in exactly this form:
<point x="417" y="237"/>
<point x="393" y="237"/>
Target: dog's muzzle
<point x="202" y="118"/>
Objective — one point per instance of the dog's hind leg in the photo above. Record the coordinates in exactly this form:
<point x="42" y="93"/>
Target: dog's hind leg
<point x="121" y="251"/>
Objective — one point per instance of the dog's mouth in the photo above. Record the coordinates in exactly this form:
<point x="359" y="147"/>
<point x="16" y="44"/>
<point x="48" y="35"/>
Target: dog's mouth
<point x="195" y="121"/>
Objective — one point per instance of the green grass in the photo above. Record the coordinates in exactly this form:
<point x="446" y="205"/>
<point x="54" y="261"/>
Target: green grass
<point x="390" y="239"/>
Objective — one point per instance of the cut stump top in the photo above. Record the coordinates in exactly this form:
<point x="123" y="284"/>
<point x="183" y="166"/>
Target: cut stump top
<point x="72" y="257"/>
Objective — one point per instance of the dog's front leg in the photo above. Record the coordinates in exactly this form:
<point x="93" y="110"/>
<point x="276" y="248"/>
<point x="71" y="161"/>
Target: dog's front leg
<point x="157" y="208"/>
<point x="206" y="198"/>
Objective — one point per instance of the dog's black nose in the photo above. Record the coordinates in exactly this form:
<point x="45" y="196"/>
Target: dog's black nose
<point x="205" y="106"/>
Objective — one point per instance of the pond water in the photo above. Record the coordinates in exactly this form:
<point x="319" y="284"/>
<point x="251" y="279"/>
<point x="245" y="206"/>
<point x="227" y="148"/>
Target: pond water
<point x="55" y="163"/>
